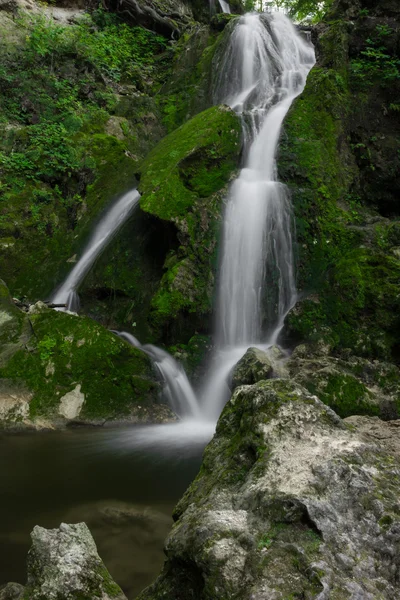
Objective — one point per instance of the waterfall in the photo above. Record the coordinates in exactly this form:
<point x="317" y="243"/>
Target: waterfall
<point x="176" y="387"/>
<point x="105" y="230"/>
<point x="225" y="7"/>
<point x="261" y="72"/>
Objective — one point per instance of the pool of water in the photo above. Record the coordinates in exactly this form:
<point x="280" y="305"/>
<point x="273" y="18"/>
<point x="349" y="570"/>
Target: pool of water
<point x="122" y="482"/>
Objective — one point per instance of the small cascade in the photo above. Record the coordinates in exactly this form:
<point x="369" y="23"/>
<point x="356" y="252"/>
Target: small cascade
<point x="176" y="386"/>
<point x="263" y="69"/>
<point x="107" y="227"/>
<point x="225" y="7"/>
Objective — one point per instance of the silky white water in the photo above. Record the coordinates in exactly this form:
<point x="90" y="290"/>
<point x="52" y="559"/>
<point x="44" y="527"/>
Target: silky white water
<point x="225" y="7"/>
<point x="103" y="233"/>
<point x="262" y="70"/>
<point x="176" y="386"/>
<point x="259" y="73"/>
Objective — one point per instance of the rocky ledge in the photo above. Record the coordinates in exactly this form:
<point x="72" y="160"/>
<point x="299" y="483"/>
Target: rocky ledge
<point x="291" y="502"/>
<point x="58" y="369"/>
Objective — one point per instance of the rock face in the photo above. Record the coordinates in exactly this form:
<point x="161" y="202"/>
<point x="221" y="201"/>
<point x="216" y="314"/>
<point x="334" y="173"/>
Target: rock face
<point x="254" y="366"/>
<point x="11" y="591"/>
<point x="56" y="368"/>
<point x="290" y="502"/>
<point x="353" y="385"/>
<point x="339" y="154"/>
<point x="183" y="182"/>
<point x="63" y="564"/>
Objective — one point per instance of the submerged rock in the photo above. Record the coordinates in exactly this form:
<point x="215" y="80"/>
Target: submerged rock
<point x="254" y="366"/>
<point x="290" y="502"/>
<point x="63" y="564"/>
<point x="11" y="591"/>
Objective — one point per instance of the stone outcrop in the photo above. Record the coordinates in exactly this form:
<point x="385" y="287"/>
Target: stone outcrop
<point x="183" y="182"/>
<point x="339" y="155"/>
<point x="254" y="366"/>
<point x="63" y="564"/>
<point x="290" y="502"/>
<point x="350" y="385"/>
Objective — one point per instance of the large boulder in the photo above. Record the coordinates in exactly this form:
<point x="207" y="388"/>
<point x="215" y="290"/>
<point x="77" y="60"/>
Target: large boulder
<point x="290" y="502"/>
<point x="57" y="368"/>
<point x="254" y="366"/>
<point x="183" y="183"/>
<point x="63" y="564"/>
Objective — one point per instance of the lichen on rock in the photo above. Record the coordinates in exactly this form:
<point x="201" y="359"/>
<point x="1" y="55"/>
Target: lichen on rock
<point x="290" y="502"/>
<point x="63" y="564"/>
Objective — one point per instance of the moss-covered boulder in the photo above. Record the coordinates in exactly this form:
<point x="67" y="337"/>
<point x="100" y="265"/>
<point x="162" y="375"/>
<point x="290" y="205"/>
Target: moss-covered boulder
<point x="56" y="368"/>
<point x="339" y="156"/>
<point x="290" y="502"/>
<point x="350" y="385"/>
<point x="183" y="182"/>
<point x="254" y="366"/>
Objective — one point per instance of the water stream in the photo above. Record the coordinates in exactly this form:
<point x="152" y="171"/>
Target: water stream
<point x="76" y="476"/>
<point x="259" y="73"/>
<point x="123" y="482"/>
<point x="262" y="70"/>
<point x="107" y="227"/>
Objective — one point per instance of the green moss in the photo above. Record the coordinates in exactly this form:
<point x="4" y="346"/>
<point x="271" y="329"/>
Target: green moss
<point x="344" y="393"/>
<point x="65" y="351"/>
<point x="325" y="163"/>
<point x="58" y="163"/>
<point x="189" y="90"/>
<point x="183" y="180"/>
<point x="208" y="146"/>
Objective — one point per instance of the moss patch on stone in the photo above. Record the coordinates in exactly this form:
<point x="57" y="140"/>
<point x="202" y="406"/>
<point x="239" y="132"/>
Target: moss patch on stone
<point x="63" y="351"/>
<point x="183" y="181"/>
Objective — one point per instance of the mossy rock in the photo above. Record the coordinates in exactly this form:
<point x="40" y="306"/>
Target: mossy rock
<point x="183" y="181"/>
<point x="194" y="161"/>
<point x="357" y="308"/>
<point x="60" y="357"/>
<point x="335" y="157"/>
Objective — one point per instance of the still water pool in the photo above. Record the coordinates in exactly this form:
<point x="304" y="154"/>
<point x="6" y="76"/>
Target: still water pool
<point x="122" y="482"/>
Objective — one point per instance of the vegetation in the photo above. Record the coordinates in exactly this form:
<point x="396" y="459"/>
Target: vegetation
<point x="58" y="165"/>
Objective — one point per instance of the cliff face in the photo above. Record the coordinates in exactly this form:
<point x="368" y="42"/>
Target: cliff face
<point x="340" y="157"/>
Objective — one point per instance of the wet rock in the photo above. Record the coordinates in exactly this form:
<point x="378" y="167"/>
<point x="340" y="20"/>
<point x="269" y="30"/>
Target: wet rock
<point x="290" y="502"/>
<point x="254" y="366"/>
<point x="63" y="564"/>
<point x="71" y="404"/>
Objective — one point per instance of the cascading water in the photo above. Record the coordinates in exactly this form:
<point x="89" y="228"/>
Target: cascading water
<point x="176" y="386"/>
<point x="103" y="233"/>
<point x="225" y="7"/>
<point x="261" y="72"/>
